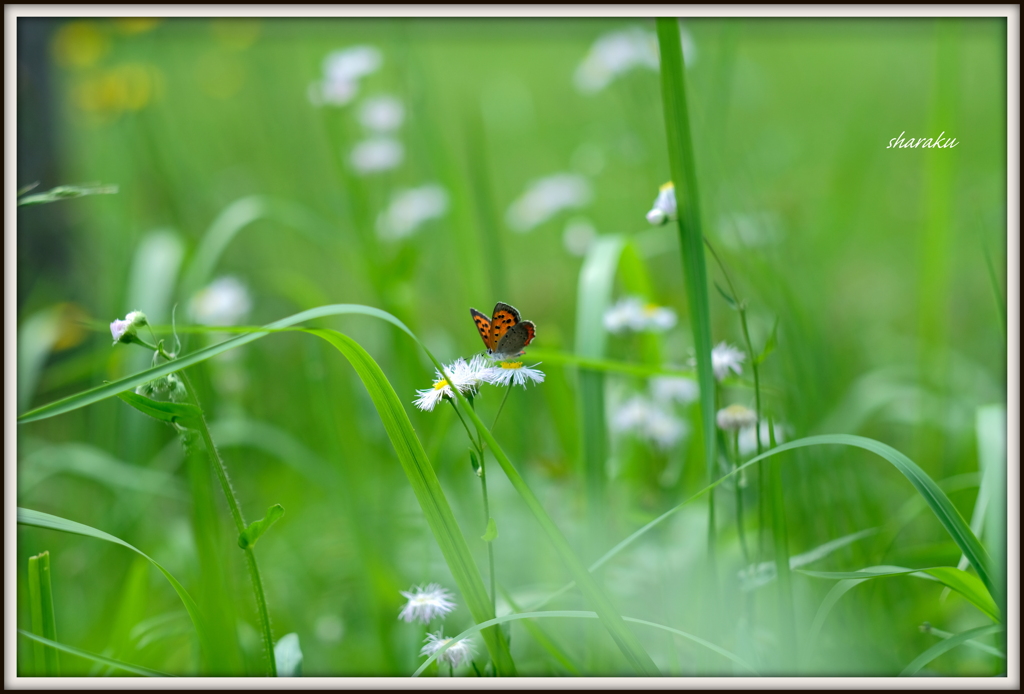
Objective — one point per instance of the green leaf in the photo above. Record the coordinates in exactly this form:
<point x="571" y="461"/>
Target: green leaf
<point x="492" y="531"/>
<point x="171" y="412"/>
<point x="250" y="535"/>
<point x="578" y="614"/>
<point x="427" y="489"/>
<point x="65" y="192"/>
<point x="770" y="345"/>
<point x="962" y="582"/>
<point x="96" y="658"/>
<point x="39" y="519"/>
<point x="288" y="656"/>
<point x="947" y="645"/>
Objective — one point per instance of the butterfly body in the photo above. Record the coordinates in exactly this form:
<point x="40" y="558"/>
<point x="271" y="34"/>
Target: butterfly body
<point x="504" y="334"/>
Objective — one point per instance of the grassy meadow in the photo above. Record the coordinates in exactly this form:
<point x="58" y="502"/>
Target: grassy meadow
<point x="810" y="322"/>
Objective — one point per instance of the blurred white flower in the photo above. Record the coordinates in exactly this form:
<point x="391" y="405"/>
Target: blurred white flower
<point x="748" y="442"/>
<point x="725" y="357"/>
<point x="631" y="313"/>
<point x="735" y="417"/>
<point x="382" y="113"/>
<point x="342" y="71"/>
<point x="425" y="603"/>
<point x="118" y="328"/>
<point x="376" y="154"/>
<point x="613" y="54"/>
<point x="504" y="373"/>
<point x="618" y="52"/>
<point x="409" y="209"/>
<point x="545" y="197"/>
<point x="578" y="235"/>
<point x="650" y="421"/>
<point x="463" y="650"/>
<point x="225" y="301"/>
<point x="667" y="389"/>
<point x="664" y="207"/>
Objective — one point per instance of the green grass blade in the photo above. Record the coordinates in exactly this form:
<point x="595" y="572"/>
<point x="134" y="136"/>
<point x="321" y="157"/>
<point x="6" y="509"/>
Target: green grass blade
<point x="428" y="491"/>
<point x="591" y="364"/>
<point x="39" y="519"/>
<point x="579" y="614"/>
<point x="962" y="582"/>
<point x="947" y="645"/>
<point x="542" y="639"/>
<point x="691" y="236"/>
<point x="625" y="639"/>
<point x="94" y="657"/>
<point x="107" y="390"/>
<point x="596" y="280"/>
<point x="44" y="621"/>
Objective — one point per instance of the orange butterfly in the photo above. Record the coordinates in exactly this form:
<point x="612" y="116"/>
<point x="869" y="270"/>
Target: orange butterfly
<point x="504" y="334"/>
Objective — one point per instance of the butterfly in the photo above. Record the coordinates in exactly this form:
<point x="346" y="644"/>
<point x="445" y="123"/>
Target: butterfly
<point x="504" y="334"/>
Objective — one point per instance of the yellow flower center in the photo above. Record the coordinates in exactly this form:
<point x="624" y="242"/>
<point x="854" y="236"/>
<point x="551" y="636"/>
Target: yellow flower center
<point x="511" y="364"/>
<point x="440" y="384"/>
<point x="666" y="186"/>
<point x="650" y="308"/>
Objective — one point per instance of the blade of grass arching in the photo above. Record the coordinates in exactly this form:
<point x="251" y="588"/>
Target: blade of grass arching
<point x="579" y="614"/>
<point x="427" y="490"/>
<point x="39" y="519"/>
<point x="948" y="645"/>
<point x="992" y="428"/>
<point x="541" y="637"/>
<point x="44" y="623"/>
<point x="691" y="236"/>
<point x="94" y="657"/>
<point x="625" y="639"/>
<point x="974" y="644"/>
<point x="937" y="500"/>
<point x="962" y="582"/>
<point x="597" y="278"/>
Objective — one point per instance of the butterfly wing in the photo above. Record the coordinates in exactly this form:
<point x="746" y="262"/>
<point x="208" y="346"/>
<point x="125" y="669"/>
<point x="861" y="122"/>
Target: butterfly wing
<point x="503" y="319"/>
<point x="483" y="326"/>
<point x="516" y="338"/>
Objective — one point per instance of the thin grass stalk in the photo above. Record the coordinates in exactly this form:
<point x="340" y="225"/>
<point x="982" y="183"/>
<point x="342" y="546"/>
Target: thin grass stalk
<point x="684" y="176"/>
<point x="236" y="515"/>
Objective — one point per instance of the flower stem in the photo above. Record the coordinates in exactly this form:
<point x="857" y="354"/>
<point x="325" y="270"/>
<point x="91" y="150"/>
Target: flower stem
<point x="739" y="498"/>
<point x="236" y="515"/>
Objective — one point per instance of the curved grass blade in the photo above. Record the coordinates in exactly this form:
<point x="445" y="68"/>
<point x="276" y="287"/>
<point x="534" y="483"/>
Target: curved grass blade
<point x="940" y="504"/>
<point x="428" y="491"/>
<point x="948" y="645"/>
<point x="579" y="614"/>
<point x="593" y="364"/>
<point x="94" y="657"/>
<point x="960" y="581"/>
<point x="44" y="622"/>
<point x="74" y="402"/>
<point x="39" y="519"/>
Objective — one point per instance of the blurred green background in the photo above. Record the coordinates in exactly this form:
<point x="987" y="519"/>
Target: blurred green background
<point x="885" y="269"/>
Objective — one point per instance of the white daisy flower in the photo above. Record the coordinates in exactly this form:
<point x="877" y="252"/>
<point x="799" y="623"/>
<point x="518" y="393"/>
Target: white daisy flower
<point x="664" y="208"/>
<point x="382" y="113"/>
<point x="735" y="417"/>
<point x="748" y="442"/>
<point x="376" y="154"/>
<point x="342" y="71"/>
<point x="503" y="373"/>
<point x="454" y="656"/>
<point x="546" y="197"/>
<point x="618" y="52"/>
<point x="225" y="301"/>
<point x="429" y="397"/>
<point x="409" y="209"/>
<point x="425" y="603"/>
<point x="667" y="389"/>
<point x="631" y="313"/>
<point x="649" y="421"/>
<point x="725" y="357"/>
<point x="466" y="376"/>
